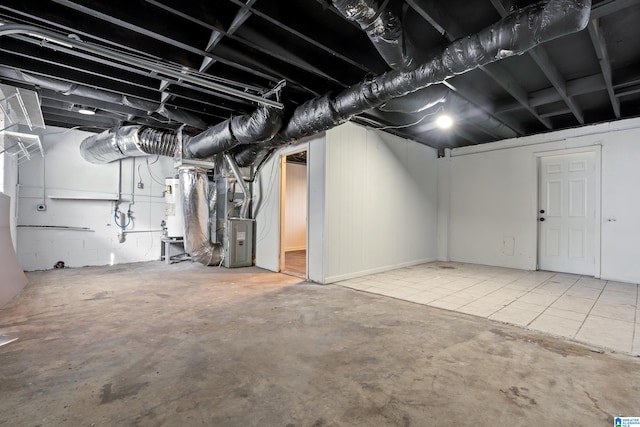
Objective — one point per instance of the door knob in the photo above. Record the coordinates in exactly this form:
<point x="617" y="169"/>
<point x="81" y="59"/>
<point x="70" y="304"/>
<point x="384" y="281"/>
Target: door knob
<point x="541" y="219"/>
<point x="541" y="210"/>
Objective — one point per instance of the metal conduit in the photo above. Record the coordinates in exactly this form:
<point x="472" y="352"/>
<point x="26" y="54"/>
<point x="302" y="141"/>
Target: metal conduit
<point x="29" y="30"/>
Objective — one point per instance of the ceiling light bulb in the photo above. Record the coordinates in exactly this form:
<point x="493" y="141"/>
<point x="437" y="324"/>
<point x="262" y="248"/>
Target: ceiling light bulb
<point x="444" y="121"/>
<point x="86" y="111"/>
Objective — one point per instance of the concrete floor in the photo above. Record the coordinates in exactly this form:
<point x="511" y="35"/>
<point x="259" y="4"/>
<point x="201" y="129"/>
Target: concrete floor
<point x="151" y="344"/>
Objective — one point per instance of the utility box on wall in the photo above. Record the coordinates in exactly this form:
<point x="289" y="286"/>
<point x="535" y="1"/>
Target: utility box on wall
<point x="238" y="243"/>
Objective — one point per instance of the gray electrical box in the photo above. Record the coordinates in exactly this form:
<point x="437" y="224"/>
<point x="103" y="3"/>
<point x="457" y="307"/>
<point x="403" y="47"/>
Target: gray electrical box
<point x="238" y="243"/>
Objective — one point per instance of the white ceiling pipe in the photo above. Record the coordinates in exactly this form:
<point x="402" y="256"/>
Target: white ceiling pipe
<point x="156" y="67"/>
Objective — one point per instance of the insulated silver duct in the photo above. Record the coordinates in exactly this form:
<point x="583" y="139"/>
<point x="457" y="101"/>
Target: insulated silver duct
<point x="516" y="33"/>
<point x="383" y="28"/>
<point x="194" y="188"/>
<point x="513" y="35"/>
<point x="135" y="140"/>
<point x="128" y="141"/>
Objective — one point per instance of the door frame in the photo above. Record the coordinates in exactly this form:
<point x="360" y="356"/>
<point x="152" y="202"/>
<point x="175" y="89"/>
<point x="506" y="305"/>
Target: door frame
<point x="283" y="193"/>
<point x="597" y="245"/>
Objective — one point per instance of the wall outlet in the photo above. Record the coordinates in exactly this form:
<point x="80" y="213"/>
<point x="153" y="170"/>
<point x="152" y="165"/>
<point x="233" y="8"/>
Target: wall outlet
<point x="41" y="207"/>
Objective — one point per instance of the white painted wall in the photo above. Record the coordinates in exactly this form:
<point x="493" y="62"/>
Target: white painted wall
<point x="381" y="202"/>
<point x="493" y="195"/>
<point x="316" y="206"/>
<point x="621" y="202"/>
<point x="9" y="187"/>
<point x="81" y="195"/>
<point x="266" y="205"/>
<point x="295" y="235"/>
<point x="444" y="202"/>
<point x="492" y="198"/>
<point x="12" y="279"/>
<point x="11" y="190"/>
<point x="372" y="204"/>
<point x="9" y="182"/>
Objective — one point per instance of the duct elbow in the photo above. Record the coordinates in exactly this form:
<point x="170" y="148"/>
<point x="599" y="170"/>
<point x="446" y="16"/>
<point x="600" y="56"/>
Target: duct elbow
<point x="383" y="28"/>
<point x="208" y="254"/>
<point x="261" y="125"/>
<point x="574" y="14"/>
<point x="363" y="12"/>
<point x="248" y="155"/>
<point x="548" y="20"/>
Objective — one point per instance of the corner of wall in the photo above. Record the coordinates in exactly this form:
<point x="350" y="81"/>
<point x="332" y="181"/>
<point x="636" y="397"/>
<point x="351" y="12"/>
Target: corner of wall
<point x="443" y="204"/>
<point x="12" y="279"/>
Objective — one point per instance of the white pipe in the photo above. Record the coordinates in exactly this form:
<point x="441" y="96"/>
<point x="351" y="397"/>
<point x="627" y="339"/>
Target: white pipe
<point x="156" y="67"/>
<point x="133" y="182"/>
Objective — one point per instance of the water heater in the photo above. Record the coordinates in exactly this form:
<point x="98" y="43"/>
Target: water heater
<point x="173" y="211"/>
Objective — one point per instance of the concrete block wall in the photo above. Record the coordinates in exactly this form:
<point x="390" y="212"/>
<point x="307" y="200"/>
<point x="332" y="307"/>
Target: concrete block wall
<point x="78" y="225"/>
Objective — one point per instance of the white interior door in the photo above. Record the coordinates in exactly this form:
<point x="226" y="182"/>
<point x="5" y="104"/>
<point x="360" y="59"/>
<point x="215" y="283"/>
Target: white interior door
<point x="567" y="213"/>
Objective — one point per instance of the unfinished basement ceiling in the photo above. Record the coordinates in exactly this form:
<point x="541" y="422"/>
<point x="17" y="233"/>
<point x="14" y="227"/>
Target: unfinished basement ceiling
<point x="252" y="46"/>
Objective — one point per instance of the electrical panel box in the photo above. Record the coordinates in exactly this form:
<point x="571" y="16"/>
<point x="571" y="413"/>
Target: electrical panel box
<point x="238" y="243"/>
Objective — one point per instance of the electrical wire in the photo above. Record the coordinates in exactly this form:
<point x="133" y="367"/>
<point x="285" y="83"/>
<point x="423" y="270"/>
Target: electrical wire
<point x="151" y="173"/>
<point x="376" y="123"/>
<point x="139" y="174"/>
<point x="63" y="132"/>
<point x="44" y="180"/>
<point x="164" y="122"/>
<point x="150" y="215"/>
<point x="414" y="123"/>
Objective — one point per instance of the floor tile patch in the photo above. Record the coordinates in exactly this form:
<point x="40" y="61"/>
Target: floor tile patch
<point x="593" y="311"/>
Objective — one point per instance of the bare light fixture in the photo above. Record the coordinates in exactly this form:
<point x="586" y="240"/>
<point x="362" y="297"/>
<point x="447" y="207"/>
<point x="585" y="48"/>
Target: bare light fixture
<point x="87" y="111"/>
<point x="444" y="121"/>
